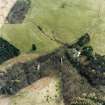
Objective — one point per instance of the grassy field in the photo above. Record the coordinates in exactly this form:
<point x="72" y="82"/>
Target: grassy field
<point x="65" y="19"/>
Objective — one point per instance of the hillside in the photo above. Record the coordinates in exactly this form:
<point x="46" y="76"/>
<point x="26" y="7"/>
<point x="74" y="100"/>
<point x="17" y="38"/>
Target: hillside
<point x="66" y="20"/>
<point x="55" y="83"/>
<point x="55" y="65"/>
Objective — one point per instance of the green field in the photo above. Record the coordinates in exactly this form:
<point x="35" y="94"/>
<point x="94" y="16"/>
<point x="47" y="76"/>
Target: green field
<point x="65" y="19"/>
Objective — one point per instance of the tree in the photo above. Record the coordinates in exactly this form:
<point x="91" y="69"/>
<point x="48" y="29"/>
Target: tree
<point x="33" y="47"/>
<point x="84" y="39"/>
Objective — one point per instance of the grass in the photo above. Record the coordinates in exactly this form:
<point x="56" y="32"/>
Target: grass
<point x="66" y="24"/>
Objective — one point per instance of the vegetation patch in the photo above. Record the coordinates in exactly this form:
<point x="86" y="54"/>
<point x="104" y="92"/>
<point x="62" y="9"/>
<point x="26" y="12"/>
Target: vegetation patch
<point x="7" y="50"/>
<point x="90" y="65"/>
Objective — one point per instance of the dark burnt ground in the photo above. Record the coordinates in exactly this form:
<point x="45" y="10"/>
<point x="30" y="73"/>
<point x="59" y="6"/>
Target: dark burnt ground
<point x="18" y="12"/>
<point x="77" y="78"/>
<point x="23" y="74"/>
